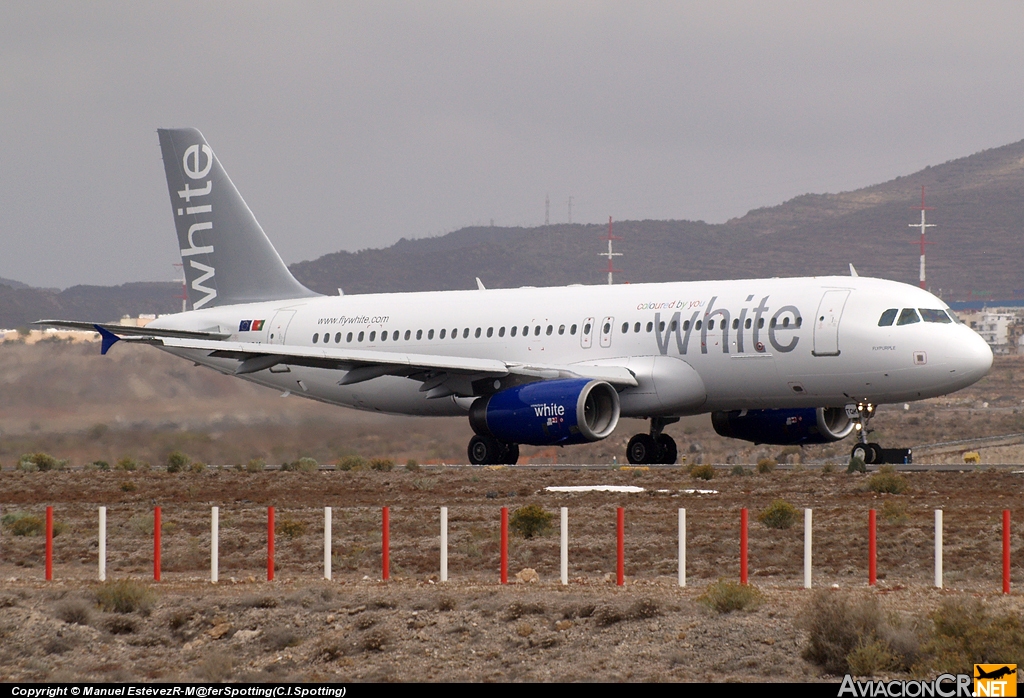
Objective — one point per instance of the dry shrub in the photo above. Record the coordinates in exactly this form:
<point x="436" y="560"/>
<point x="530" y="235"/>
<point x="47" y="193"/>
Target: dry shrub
<point x="702" y="472"/>
<point x="530" y="521"/>
<point x="74" y="611"/>
<point x="353" y="463"/>
<point x="290" y="528"/>
<point x="780" y="514"/>
<point x="725" y="596"/>
<point x="856" y="466"/>
<point x="965" y="633"/>
<point x="177" y="462"/>
<point x="218" y="666"/>
<point x="607" y="615"/>
<point x="128" y="486"/>
<point x="280" y="638"/>
<point x="886" y="481"/>
<point x="643" y="608"/>
<point x="894" y="512"/>
<point x="412" y="466"/>
<point x="41" y="462"/>
<point x="255" y="465"/>
<point x="121" y="625"/>
<point x="21" y="523"/>
<point x="124" y="596"/>
<point x="517" y="610"/>
<point x="766" y="466"/>
<point x="738" y="470"/>
<point x="382" y="464"/>
<point x="259" y="602"/>
<point x="446" y="603"/>
<point x="127" y="464"/>
<point x="858" y="637"/>
<point x="197" y="467"/>
<point x="828" y="468"/>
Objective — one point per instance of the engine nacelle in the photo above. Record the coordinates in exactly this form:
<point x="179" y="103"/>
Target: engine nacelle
<point x="546" y="413"/>
<point x="785" y="427"/>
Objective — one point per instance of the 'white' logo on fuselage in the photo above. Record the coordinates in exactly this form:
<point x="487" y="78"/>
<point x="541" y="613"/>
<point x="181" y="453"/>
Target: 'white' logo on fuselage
<point x="190" y="163"/>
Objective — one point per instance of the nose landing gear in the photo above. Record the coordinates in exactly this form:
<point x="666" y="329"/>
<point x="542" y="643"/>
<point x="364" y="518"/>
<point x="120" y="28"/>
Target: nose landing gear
<point x="873" y="453"/>
<point x="486" y="450"/>
<point x="655" y="447"/>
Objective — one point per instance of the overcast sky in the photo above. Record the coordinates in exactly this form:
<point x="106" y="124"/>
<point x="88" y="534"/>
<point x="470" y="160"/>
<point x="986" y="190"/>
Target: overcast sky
<point x="349" y="125"/>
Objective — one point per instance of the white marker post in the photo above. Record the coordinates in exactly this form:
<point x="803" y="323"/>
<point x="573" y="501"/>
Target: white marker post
<point x="103" y="544"/>
<point x="214" y="535"/>
<point x="682" y="547"/>
<point x="938" y="548"/>
<point x="444" y="544"/>
<point x="327" y="543"/>
<point x="807" y="548"/>
<point x="565" y="545"/>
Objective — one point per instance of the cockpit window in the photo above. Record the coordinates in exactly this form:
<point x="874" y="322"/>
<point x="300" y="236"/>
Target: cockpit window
<point x="934" y="315"/>
<point x="887" y="317"/>
<point x="908" y="317"/>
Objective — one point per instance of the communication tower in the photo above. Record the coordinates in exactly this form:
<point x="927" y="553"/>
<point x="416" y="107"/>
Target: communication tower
<point x="609" y="254"/>
<point x="922" y="225"/>
<point x="547" y="209"/>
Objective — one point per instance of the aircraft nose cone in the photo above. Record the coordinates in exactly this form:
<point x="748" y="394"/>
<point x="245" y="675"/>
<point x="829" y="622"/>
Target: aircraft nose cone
<point x="976" y="357"/>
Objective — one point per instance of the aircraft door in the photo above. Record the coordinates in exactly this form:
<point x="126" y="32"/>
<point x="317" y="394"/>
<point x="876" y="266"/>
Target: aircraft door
<point x="279" y="326"/>
<point x="826" y="323"/>
<point x="587" y="333"/>
<point x="606" y="331"/>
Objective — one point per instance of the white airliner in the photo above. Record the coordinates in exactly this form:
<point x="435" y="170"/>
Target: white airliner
<point x="779" y="361"/>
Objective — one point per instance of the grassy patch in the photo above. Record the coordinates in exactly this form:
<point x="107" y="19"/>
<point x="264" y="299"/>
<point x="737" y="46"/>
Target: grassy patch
<point x="530" y="521"/>
<point x="702" y="472"/>
<point x="124" y="596"/>
<point x="780" y="514"/>
<point x="725" y="596"/>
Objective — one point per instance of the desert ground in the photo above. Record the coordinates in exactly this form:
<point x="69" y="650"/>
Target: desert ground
<point x="141" y="405"/>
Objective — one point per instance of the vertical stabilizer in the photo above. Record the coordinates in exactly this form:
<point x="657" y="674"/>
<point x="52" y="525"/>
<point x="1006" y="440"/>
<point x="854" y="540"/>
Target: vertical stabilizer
<point x="226" y="255"/>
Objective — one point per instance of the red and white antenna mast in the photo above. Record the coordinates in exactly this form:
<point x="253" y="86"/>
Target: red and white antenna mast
<point x="609" y="254"/>
<point x="922" y="225"/>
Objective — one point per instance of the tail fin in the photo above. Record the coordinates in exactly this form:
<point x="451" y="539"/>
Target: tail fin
<point x="226" y="255"/>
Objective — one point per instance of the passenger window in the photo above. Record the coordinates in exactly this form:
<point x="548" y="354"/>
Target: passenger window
<point x="888" y="317"/>
<point x="394" y="336"/>
<point x="361" y="336"/>
<point x="760" y="323"/>
<point x="373" y="335"/>
<point x="799" y="321"/>
<point x="625" y="327"/>
<point x="536" y="331"/>
<point x="636" y="328"/>
<point x="419" y="334"/>
<point x="476" y="335"/>
<point x="465" y="333"/>
<point x="348" y="337"/>
<point x="515" y="328"/>
<point x="549" y="330"/>
<point x="661" y="326"/>
<point x="383" y="336"/>
<point x="561" y="329"/>
<point x="785" y="322"/>
<point x="607" y="328"/>
<point x="408" y="333"/>
<point x="526" y="330"/>
<point x="747" y="324"/>
<point x="490" y="332"/>
<point x="501" y="331"/>
<point x="773" y="322"/>
<point x="586" y="328"/>
<point x="711" y="324"/>
<point x="736" y="323"/>
<point x="686" y="325"/>
<point x="337" y="337"/>
<point x="650" y="326"/>
<point x="934" y="315"/>
<point x="430" y="334"/>
<point x="443" y="331"/>
<point x="572" y="330"/>
<point x="908" y="317"/>
<point x="697" y="325"/>
<point x="316" y="337"/>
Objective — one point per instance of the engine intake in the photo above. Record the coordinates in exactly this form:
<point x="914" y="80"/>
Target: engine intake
<point x="546" y="413"/>
<point x="784" y="427"/>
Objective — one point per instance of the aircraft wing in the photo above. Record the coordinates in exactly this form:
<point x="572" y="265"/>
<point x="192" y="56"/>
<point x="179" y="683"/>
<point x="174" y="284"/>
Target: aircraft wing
<point x="440" y="375"/>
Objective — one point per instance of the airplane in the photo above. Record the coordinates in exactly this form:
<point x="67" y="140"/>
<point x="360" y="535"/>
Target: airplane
<point x="774" y="361"/>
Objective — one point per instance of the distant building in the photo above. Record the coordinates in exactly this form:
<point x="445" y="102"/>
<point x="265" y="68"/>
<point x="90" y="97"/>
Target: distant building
<point x="1001" y="328"/>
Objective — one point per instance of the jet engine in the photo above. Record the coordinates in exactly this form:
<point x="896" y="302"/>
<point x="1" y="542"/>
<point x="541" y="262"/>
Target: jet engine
<point x="784" y="427"/>
<point x="547" y="413"/>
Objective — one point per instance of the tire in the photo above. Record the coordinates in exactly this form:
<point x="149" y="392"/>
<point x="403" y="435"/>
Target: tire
<point x="642" y="450"/>
<point x="669" y="452"/>
<point x="876" y="454"/>
<point x="861" y="451"/>
<point x="511" y="454"/>
<point x="484" y="450"/>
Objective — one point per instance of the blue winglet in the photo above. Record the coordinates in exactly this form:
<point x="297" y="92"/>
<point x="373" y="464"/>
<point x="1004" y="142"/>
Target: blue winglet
<point x="108" y="337"/>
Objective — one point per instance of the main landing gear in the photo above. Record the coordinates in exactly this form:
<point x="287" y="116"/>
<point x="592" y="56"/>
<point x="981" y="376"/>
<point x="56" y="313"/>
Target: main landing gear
<point x="873" y="453"/>
<point x="655" y="447"/>
<point x="487" y="450"/>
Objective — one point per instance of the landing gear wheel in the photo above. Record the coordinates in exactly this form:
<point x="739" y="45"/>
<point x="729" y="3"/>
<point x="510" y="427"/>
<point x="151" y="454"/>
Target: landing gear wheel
<point x="511" y="455"/>
<point x="861" y="451"/>
<point x="485" y="450"/>
<point x="876" y="454"/>
<point x="642" y="449"/>
<point x="669" y="452"/>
